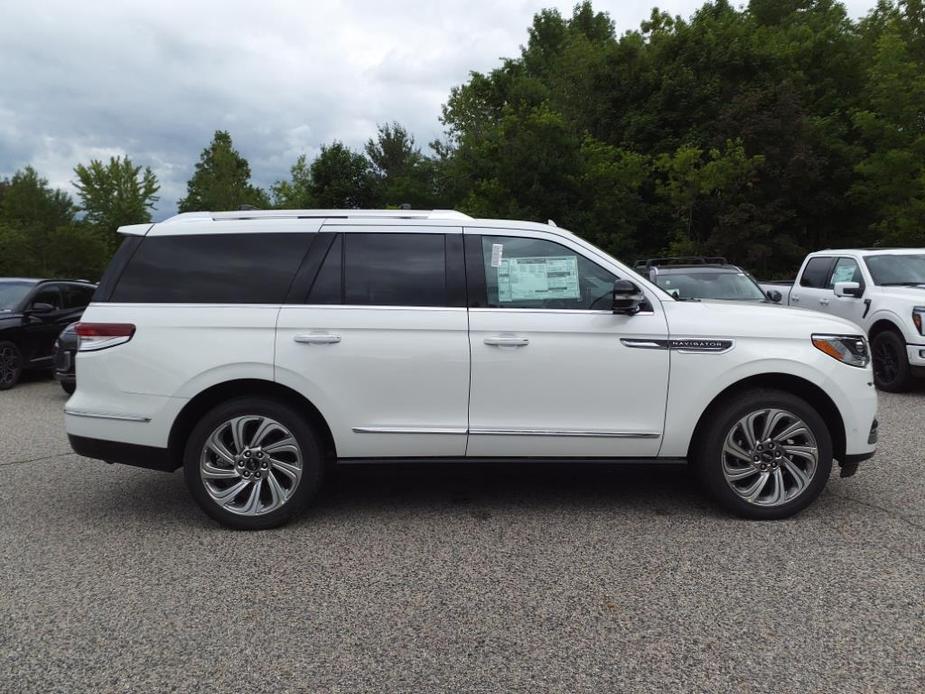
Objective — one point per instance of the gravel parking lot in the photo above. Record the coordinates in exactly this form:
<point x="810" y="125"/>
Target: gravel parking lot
<point x="539" y="578"/>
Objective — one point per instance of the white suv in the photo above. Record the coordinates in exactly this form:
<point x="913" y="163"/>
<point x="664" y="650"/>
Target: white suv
<point x="254" y="348"/>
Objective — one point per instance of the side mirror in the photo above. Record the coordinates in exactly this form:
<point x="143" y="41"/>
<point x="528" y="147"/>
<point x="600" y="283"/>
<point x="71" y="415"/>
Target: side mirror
<point x="40" y="307"/>
<point x="627" y="298"/>
<point x="852" y="289"/>
<point x="774" y="295"/>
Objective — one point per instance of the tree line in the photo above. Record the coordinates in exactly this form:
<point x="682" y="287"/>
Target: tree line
<point x="758" y="133"/>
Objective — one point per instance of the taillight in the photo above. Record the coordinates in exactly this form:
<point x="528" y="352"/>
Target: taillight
<point x="94" y="336"/>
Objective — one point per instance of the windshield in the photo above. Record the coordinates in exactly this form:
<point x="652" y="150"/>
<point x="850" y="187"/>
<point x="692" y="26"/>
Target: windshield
<point x="699" y="284"/>
<point x="896" y="270"/>
<point x="11" y="293"/>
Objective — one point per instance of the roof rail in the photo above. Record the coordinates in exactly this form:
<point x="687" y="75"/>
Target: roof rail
<point x="315" y="214"/>
<point x="682" y="260"/>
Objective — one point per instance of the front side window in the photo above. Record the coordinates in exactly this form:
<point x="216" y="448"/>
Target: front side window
<point x="846" y="270"/>
<point x="212" y="268"/>
<point x="896" y="270"/>
<point x="48" y="295"/>
<point x="535" y="273"/>
<point x="394" y="269"/>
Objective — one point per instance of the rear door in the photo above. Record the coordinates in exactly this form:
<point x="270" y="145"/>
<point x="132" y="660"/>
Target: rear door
<point x="379" y="342"/>
<point x="810" y="291"/>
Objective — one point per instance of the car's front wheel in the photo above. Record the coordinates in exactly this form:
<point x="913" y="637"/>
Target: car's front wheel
<point x="892" y="372"/>
<point x="765" y="454"/>
<point x="10" y="365"/>
<point x="252" y="463"/>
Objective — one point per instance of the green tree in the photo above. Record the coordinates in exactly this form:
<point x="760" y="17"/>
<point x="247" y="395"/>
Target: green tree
<point x="115" y="194"/>
<point x="891" y="179"/>
<point x="30" y="213"/>
<point x="296" y="193"/>
<point x="221" y="180"/>
<point x="401" y="173"/>
<point x="341" y="178"/>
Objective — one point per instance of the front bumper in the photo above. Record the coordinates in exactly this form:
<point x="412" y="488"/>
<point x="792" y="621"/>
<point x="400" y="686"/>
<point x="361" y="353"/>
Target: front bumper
<point x="849" y="463"/>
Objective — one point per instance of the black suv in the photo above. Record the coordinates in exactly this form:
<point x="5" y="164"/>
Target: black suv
<point x="33" y="313"/>
<point x="700" y="277"/>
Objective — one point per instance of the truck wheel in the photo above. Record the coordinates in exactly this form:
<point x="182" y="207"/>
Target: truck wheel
<point x="10" y="365"/>
<point x="765" y="454"/>
<point x="252" y="463"/>
<point x="891" y="363"/>
<point x="68" y="387"/>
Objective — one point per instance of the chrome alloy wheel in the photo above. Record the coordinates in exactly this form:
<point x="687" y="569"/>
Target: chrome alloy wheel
<point x="770" y="457"/>
<point x="251" y="465"/>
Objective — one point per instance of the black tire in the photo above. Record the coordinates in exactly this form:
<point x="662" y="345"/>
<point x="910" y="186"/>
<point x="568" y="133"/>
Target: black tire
<point x="708" y="455"/>
<point x="10" y="365"/>
<point x="301" y="430"/>
<point x="892" y="372"/>
<point x="68" y="387"/>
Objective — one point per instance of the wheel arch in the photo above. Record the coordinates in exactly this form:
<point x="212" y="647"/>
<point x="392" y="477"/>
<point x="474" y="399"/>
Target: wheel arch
<point x="204" y="401"/>
<point x="807" y="390"/>
<point x="882" y="325"/>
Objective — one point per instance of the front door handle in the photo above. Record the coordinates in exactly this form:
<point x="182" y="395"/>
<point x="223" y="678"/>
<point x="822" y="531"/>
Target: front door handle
<point x="317" y="339"/>
<point x="502" y="341"/>
<point x="824" y="302"/>
<point x="794" y="298"/>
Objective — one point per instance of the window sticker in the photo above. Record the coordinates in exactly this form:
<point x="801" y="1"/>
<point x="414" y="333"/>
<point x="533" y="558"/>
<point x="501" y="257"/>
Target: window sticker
<point x="535" y="279"/>
<point x="843" y="273"/>
<point x="496" y="250"/>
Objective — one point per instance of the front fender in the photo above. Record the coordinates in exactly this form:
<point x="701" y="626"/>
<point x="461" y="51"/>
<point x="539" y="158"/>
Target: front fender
<point x="698" y="379"/>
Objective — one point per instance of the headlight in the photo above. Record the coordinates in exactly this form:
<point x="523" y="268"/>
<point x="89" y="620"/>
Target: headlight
<point x="848" y="349"/>
<point x="917" y="318"/>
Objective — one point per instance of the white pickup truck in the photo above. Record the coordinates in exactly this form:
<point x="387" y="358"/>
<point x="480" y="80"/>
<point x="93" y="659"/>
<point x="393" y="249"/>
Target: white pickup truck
<point x="882" y="290"/>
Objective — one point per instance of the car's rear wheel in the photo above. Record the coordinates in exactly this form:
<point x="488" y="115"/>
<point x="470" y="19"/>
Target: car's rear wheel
<point x="765" y="454"/>
<point x="10" y="365"/>
<point x="892" y="372"/>
<point x="68" y="387"/>
<point x="252" y="463"/>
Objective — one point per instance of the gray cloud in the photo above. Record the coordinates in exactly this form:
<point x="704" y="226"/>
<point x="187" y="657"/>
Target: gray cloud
<point x="154" y="80"/>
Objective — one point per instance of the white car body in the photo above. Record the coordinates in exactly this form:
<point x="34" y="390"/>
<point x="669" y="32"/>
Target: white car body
<point x="411" y="382"/>
<point x="447" y="375"/>
<point x="879" y="308"/>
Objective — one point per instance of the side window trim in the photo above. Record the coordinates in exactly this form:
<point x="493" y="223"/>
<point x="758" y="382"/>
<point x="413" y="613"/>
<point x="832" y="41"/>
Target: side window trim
<point x="477" y="288"/>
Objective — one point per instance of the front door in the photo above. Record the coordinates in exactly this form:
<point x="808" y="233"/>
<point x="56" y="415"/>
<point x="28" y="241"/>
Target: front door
<point x="380" y="341"/>
<point x="42" y="329"/>
<point x="554" y="371"/>
<point x="850" y="307"/>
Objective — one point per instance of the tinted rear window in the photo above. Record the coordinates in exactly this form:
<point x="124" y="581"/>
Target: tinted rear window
<point x="395" y="269"/>
<point x="212" y="268"/>
<point x="817" y="272"/>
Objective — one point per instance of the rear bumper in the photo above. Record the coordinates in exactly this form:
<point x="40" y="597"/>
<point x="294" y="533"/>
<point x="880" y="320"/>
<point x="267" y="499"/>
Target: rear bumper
<point x="126" y="453"/>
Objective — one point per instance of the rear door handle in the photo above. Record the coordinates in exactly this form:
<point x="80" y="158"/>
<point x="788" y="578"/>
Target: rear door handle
<point x="824" y="302"/>
<point x="317" y="339"/>
<point x="794" y="298"/>
<point x="502" y="341"/>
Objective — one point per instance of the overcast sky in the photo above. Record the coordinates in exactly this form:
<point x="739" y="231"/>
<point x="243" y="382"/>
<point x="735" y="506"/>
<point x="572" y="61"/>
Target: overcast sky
<point x="89" y="79"/>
